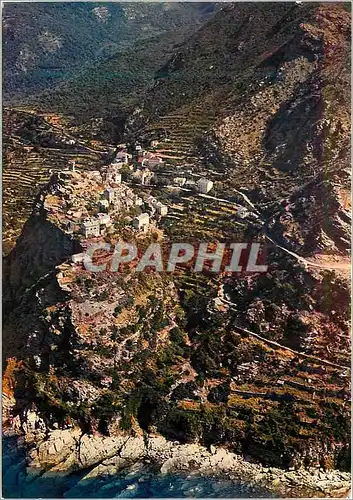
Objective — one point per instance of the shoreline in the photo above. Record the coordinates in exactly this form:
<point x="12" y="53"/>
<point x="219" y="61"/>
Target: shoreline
<point x="63" y="453"/>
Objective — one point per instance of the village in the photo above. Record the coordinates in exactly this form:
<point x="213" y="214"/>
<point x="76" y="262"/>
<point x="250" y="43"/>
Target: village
<point x="152" y="170"/>
<point x="93" y="203"/>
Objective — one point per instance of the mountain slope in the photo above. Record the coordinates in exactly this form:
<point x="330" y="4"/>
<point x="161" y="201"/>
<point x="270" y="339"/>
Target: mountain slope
<point x="114" y="85"/>
<point x="45" y="43"/>
<point x="269" y="106"/>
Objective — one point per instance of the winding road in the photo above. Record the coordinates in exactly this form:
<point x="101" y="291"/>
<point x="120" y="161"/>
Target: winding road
<point x="343" y="264"/>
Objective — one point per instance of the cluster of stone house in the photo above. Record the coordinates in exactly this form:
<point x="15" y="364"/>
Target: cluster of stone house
<point x="123" y="157"/>
<point x="179" y="181"/>
<point x="156" y="205"/>
<point x="80" y="190"/>
<point x="202" y="185"/>
<point x="111" y="194"/>
<point x="112" y="174"/>
<point x="150" y="160"/>
<point x="114" y="199"/>
<point x="143" y="175"/>
<point x="90" y="227"/>
<point x="93" y="226"/>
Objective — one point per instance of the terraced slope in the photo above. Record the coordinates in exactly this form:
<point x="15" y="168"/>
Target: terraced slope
<point x="32" y="147"/>
<point x="181" y="128"/>
<point x="272" y="115"/>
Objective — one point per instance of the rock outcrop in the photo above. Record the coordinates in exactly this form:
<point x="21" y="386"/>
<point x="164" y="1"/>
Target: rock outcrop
<point x="63" y="452"/>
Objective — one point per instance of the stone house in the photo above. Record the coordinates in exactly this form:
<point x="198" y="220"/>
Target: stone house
<point x="144" y="175"/>
<point x="114" y="177"/>
<point x="77" y="258"/>
<point x="204" y="185"/>
<point x="90" y="227"/>
<point x="154" y="162"/>
<point x="179" y="181"/>
<point x="112" y="173"/>
<point x="138" y="201"/>
<point x="141" y="222"/>
<point x="104" y="219"/>
<point x="123" y="156"/>
<point x="103" y="204"/>
<point x="161" y="209"/>
<point x="242" y="212"/>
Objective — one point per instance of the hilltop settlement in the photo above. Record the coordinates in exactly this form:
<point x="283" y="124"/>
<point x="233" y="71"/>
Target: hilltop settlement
<point x="93" y="202"/>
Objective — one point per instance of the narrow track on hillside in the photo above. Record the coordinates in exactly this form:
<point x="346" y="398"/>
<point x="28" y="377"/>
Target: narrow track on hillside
<point x="340" y="265"/>
<point x="281" y="346"/>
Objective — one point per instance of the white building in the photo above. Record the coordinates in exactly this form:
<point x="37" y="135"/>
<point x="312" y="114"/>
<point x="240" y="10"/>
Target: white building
<point x="179" y="181"/>
<point x="204" y="185"/>
<point x="77" y="258"/>
<point x="190" y="184"/>
<point x="144" y="176"/>
<point x="242" y="212"/>
<point x="104" y="219"/>
<point x="138" y="201"/>
<point x="90" y="227"/>
<point x="123" y="156"/>
<point x="161" y="209"/>
<point x="153" y="162"/>
<point x="116" y="164"/>
<point x="157" y="205"/>
<point x="114" y="177"/>
<point x="112" y="173"/>
<point x="109" y="193"/>
<point x="141" y="222"/>
<point x="151" y="201"/>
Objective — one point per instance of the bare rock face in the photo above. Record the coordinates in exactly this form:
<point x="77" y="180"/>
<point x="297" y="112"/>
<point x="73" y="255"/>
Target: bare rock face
<point x="97" y="448"/>
<point x="58" y="451"/>
<point x="133" y="448"/>
<point x="63" y="452"/>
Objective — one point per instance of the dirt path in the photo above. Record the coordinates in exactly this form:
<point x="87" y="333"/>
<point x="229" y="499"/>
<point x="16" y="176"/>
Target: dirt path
<point x="320" y="261"/>
<point x="281" y="346"/>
